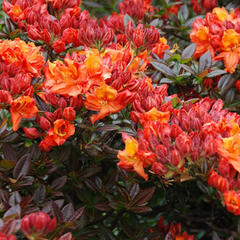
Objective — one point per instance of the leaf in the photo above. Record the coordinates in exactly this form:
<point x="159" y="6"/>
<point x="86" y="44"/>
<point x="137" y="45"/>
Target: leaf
<point x="215" y="73"/>
<point x="92" y="4"/>
<point x="230" y="96"/>
<point x="14" y="210"/>
<point x="166" y="80"/>
<point x="66" y="236"/>
<point x="188" y="51"/>
<point x="183" y="11"/>
<point x="22" y="167"/>
<point x="9" y="152"/>
<point x="205" y="62"/>
<point x="3" y="126"/>
<point x="39" y="194"/>
<point x="175" y="57"/>
<point x="59" y="182"/>
<point x="108" y="127"/>
<point x="7" y="164"/>
<point x="134" y="190"/>
<point x="14" y="199"/>
<point x="90" y="172"/>
<point x="163" y="68"/>
<point x="77" y="214"/>
<point x="102" y="206"/>
<point x="67" y="212"/>
<point x="223" y="81"/>
<point x="155" y="22"/>
<point x="40" y="103"/>
<point x="4" y="196"/>
<point x="141" y="209"/>
<point x="10" y="226"/>
<point x="57" y="212"/>
<point x="144" y="196"/>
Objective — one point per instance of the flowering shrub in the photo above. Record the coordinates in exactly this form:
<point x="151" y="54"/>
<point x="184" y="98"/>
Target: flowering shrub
<point x="119" y="121"/>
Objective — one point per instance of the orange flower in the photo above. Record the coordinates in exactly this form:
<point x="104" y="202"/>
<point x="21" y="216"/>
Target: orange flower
<point x="232" y="201"/>
<point x="229" y="148"/>
<point x="231" y="50"/>
<point x="16" y="13"/>
<point x="61" y="131"/>
<point x="75" y="77"/>
<point x="154" y="115"/>
<point x="160" y="47"/>
<point x="222" y="14"/>
<point x="106" y="100"/>
<point x="24" y="55"/>
<point x="129" y="158"/>
<point x="22" y="107"/>
<point x="200" y="36"/>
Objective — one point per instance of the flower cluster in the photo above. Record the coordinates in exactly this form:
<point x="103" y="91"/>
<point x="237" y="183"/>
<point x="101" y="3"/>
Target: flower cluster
<point x="218" y="33"/>
<point x="207" y="5"/>
<point x="20" y="63"/>
<point x="36" y="225"/>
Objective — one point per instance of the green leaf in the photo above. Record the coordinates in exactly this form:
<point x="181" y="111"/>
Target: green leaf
<point x="7" y="164"/>
<point x="176" y="57"/>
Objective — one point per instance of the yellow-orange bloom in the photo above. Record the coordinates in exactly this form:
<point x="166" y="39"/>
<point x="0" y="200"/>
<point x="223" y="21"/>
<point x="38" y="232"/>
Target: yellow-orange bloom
<point x="106" y="100"/>
<point x="129" y="159"/>
<point x="229" y="148"/>
<point x="161" y="47"/>
<point x="61" y="131"/>
<point x="26" y="56"/>
<point x="22" y="107"/>
<point x="231" y="50"/>
<point x="74" y="77"/>
<point x="222" y="14"/>
<point x="154" y="115"/>
<point x="232" y="202"/>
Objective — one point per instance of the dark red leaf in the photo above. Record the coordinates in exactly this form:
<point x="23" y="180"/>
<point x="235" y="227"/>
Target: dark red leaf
<point x="143" y="196"/>
<point x="57" y="212"/>
<point x="9" y="152"/>
<point x="67" y="212"/>
<point x="77" y="214"/>
<point x="59" y="183"/>
<point x="22" y="167"/>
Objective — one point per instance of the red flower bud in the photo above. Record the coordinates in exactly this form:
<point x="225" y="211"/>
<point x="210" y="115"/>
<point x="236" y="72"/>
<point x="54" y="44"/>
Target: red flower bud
<point x="58" y="46"/>
<point x="58" y="114"/>
<point x="44" y="123"/>
<point x="237" y="84"/>
<point x="46" y="36"/>
<point x="138" y="38"/>
<point x="33" y="32"/>
<point x="175" y="157"/>
<point x="32" y="133"/>
<point x="3" y="236"/>
<point x="62" y="103"/>
<point x="69" y="114"/>
<point x="217" y="181"/>
<point x="38" y="223"/>
<point x="50" y="116"/>
<point x="183" y="143"/>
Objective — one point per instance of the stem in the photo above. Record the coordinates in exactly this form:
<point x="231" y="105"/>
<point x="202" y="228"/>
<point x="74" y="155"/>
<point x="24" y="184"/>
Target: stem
<point x="134" y="55"/>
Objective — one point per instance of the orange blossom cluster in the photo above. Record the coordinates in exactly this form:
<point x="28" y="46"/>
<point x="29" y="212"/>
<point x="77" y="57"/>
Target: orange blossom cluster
<point x="219" y="33"/>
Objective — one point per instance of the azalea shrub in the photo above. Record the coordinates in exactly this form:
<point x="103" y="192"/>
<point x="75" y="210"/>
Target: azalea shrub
<point x="119" y="119"/>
